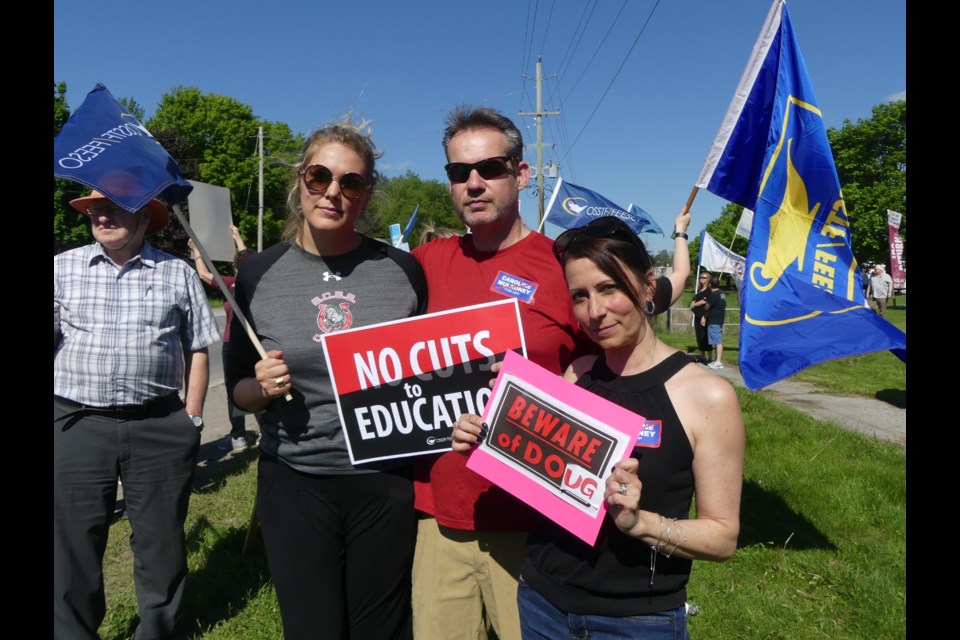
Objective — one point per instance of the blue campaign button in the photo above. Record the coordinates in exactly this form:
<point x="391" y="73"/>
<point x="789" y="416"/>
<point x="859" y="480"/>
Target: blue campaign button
<point x="514" y="286"/>
<point x="649" y="435"/>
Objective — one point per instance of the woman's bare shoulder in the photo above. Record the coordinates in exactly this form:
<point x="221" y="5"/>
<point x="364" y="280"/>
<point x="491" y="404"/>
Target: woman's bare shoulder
<point x="579" y="367"/>
<point x="696" y="385"/>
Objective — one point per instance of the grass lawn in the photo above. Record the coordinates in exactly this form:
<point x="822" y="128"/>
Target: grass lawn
<point x="822" y="551"/>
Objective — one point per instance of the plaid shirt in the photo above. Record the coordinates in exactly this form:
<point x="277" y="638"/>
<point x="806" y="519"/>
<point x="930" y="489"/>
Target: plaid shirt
<point x="120" y="334"/>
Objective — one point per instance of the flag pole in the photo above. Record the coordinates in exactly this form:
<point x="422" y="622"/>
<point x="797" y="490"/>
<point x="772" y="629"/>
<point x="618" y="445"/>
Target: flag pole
<point x="690" y="198"/>
<point x="223" y="286"/>
<point x="546" y="212"/>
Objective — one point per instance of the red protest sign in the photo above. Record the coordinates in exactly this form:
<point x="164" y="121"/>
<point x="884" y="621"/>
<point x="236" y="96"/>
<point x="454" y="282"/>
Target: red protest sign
<point x="402" y="385"/>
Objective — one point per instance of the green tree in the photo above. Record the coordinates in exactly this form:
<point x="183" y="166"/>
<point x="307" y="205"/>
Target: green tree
<point x="395" y="199"/>
<point x="132" y="107"/>
<point x="216" y="143"/>
<point x="723" y="230"/>
<point x="70" y="228"/>
<point x="663" y="258"/>
<point x="871" y="159"/>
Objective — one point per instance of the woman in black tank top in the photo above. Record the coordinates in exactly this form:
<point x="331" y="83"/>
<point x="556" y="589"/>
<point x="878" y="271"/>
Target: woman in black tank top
<point x="632" y="581"/>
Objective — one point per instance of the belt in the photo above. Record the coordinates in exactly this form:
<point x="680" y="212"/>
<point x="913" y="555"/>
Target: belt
<point x="126" y="411"/>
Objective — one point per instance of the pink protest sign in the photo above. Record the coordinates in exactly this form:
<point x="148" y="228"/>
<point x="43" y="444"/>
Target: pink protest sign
<point x="553" y="445"/>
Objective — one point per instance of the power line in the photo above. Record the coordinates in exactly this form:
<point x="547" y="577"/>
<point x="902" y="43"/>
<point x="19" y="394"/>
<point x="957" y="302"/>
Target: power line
<point x="607" y="90"/>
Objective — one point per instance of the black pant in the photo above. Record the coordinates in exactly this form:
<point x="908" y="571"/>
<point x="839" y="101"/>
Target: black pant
<point x="238" y="422"/>
<point x="701" y="332"/>
<point x="155" y="455"/>
<point x="340" y="550"/>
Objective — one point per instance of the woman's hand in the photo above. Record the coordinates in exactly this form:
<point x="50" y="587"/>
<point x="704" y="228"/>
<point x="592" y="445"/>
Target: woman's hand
<point x="622" y="495"/>
<point x="273" y="375"/>
<point x="468" y="432"/>
<point x="494" y="369"/>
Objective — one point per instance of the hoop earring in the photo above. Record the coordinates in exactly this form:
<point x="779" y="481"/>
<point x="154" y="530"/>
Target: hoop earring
<point x="650" y="307"/>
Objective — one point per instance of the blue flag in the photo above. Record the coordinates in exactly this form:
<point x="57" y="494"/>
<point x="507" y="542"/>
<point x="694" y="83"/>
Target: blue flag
<point x="802" y="300"/>
<point x="571" y="206"/>
<point x="412" y="221"/>
<point x="107" y="149"/>
<point x="646" y="221"/>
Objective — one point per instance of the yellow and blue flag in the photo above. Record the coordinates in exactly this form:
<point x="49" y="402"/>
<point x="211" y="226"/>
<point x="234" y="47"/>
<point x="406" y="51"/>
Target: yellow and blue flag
<point x="107" y="149"/>
<point x="802" y="299"/>
<point x="572" y="206"/>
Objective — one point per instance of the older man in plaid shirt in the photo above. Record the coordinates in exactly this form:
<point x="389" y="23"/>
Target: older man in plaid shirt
<point x="130" y="325"/>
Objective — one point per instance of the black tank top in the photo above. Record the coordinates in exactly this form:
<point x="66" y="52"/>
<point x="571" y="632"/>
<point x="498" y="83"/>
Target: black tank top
<point x="612" y="578"/>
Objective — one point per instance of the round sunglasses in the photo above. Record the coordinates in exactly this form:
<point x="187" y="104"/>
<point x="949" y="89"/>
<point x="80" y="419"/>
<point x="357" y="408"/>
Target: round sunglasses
<point x="317" y="179"/>
<point x="488" y="168"/>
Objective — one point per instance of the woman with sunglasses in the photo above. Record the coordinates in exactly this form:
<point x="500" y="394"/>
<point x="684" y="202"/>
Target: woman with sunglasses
<point x="339" y="538"/>
<point x="699" y="309"/>
<point x="632" y="582"/>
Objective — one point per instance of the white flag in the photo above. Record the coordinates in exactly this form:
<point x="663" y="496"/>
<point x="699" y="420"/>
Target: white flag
<point x="745" y="224"/>
<point x="718" y="259"/>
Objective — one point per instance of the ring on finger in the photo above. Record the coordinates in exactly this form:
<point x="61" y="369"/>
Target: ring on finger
<point x="279" y="382"/>
<point x="623" y="489"/>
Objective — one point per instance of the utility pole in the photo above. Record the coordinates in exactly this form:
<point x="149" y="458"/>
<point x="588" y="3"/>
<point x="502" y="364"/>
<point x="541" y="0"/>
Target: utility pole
<point x="260" y="208"/>
<point x="538" y="114"/>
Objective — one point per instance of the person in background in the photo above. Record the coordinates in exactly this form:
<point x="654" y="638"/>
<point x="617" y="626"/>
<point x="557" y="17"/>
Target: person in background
<point x="713" y="319"/>
<point x="699" y="308"/>
<point x="236" y="440"/>
<point x="880" y="289"/>
<point x="431" y="232"/>
<point x="131" y="327"/>
<point x="632" y="582"/>
<point x="339" y="538"/>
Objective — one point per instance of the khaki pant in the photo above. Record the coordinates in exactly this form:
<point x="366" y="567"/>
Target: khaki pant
<point x="879" y="305"/>
<point x="460" y="576"/>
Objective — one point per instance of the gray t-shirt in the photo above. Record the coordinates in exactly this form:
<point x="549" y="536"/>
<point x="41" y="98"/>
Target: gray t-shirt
<point x="292" y="298"/>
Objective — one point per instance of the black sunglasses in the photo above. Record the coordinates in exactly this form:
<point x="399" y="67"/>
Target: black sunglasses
<point x="488" y="169"/>
<point x="317" y="179"/>
<point x="605" y="227"/>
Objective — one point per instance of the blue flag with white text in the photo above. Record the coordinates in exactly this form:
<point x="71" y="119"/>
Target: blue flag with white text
<point x="644" y="219"/>
<point x="802" y="298"/>
<point x="107" y="149"/>
<point x="572" y="206"/>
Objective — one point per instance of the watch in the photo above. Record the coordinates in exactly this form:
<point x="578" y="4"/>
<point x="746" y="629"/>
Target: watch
<point x="679" y="234"/>
<point x="197" y="421"/>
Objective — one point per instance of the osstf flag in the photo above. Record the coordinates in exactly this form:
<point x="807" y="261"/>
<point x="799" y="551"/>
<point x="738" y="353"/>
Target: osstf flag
<point x="107" y="149"/>
<point x="802" y="298"/>
<point x="572" y="206"/>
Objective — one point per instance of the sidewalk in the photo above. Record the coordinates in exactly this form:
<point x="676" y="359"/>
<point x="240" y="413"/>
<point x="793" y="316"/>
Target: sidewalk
<point x="868" y="416"/>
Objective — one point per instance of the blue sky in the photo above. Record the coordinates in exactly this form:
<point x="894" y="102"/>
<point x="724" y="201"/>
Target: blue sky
<point x="641" y="86"/>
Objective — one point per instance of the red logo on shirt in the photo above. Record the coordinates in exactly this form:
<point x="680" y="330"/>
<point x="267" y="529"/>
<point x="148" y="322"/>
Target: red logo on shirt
<point x="333" y="312"/>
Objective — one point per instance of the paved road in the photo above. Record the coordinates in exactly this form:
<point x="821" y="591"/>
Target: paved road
<point x="868" y="416"/>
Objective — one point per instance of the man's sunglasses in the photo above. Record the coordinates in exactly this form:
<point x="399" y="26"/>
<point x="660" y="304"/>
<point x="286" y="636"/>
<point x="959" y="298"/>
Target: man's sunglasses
<point x="605" y="227"/>
<point x="488" y="169"/>
<point x="317" y="179"/>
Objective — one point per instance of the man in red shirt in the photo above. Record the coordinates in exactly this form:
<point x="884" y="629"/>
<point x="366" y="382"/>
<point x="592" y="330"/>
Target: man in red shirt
<point x="471" y="538"/>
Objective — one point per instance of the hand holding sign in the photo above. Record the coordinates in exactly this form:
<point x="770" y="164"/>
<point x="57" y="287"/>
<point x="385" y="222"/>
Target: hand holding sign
<point x="468" y="432"/>
<point x="622" y="495"/>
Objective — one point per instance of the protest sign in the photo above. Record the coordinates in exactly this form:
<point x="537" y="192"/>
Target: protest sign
<point x="401" y="385"/>
<point x="554" y="454"/>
